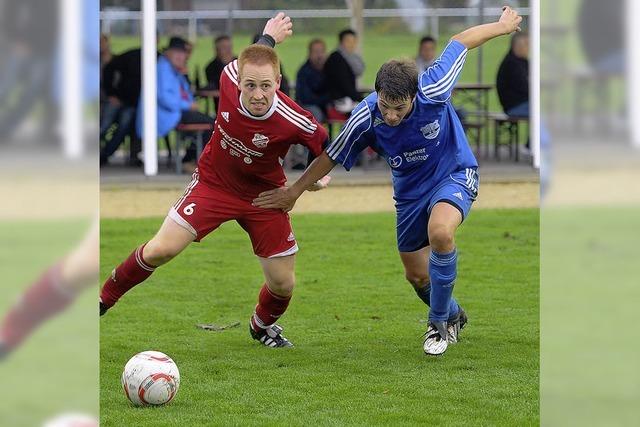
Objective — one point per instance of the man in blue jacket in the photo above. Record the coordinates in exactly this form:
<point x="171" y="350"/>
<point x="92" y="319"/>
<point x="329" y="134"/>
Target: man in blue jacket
<point x="175" y="100"/>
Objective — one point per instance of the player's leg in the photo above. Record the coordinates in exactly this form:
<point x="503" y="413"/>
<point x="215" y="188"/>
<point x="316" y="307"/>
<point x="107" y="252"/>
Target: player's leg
<point x="273" y="300"/>
<point x="168" y="242"/>
<point x="275" y="245"/>
<point x="448" y="207"/>
<point x="443" y="221"/>
<point x="416" y="270"/>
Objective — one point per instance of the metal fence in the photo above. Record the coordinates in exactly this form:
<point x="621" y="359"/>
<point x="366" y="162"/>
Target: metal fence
<point x="193" y="19"/>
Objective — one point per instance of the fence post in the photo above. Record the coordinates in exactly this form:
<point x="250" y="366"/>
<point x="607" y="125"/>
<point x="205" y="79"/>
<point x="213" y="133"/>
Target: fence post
<point x="193" y="28"/>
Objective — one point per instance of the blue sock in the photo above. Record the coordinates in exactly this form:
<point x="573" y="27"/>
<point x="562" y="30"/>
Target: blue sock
<point x="443" y="271"/>
<point x="425" y="295"/>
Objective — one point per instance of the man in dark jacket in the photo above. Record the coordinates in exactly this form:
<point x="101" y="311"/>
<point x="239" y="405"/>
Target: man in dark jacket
<point x="310" y="87"/>
<point x="342" y="68"/>
<point x="121" y="82"/>
<point x="224" y="54"/>
<point x="512" y="81"/>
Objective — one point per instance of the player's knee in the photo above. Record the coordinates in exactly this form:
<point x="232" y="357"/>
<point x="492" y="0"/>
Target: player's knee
<point x="417" y="280"/>
<point x="282" y="285"/>
<point x="157" y="253"/>
<point x="441" y="238"/>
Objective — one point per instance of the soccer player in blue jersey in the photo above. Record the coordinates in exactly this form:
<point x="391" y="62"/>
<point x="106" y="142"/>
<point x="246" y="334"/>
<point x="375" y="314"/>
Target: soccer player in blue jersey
<point x="411" y="122"/>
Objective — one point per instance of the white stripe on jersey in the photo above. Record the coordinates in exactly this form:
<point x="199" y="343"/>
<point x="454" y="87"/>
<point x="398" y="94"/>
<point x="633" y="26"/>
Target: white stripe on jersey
<point x="298" y="117"/>
<point x="338" y="144"/>
<point x="433" y="86"/>
<point x="301" y="118"/>
<point x="286" y="115"/>
<point x="449" y="84"/>
<point x="448" y="78"/>
<point x="234" y="80"/>
<point x="234" y="68"/>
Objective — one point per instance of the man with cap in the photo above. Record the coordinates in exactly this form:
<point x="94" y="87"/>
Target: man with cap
<point x="174" y="97"/>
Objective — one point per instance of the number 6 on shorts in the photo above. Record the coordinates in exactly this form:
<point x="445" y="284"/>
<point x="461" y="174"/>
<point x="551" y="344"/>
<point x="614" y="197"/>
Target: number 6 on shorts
<point x="188" y="210"/>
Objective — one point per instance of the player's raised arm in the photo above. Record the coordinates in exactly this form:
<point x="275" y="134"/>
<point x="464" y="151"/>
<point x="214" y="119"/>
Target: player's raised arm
<point x="475" y="36"/>
<point x="278" y="28"/>
<point x="313" y="178"/>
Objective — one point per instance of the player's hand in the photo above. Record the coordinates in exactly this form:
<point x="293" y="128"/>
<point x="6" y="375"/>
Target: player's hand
<point x="320" y="184"/>
<point x="279" y="27"/>
<point x="279" y="198"/>
<point x="510" y="20"/>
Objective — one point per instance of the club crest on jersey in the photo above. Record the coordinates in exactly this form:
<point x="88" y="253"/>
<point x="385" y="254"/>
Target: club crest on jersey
<point x="225" y="116"/>
<point x="396" y="161"/>
<point x="260" y="140"/>
<point x="430" y="130"/>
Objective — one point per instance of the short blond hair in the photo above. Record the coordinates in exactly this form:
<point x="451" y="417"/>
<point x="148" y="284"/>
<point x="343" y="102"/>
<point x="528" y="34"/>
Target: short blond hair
<point x="259" y="55"/>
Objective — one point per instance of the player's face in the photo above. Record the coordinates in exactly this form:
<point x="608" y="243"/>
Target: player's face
<point x="258" y="85"/>
<point x="394" y="111"/>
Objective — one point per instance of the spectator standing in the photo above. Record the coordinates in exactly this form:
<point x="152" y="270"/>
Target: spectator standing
<point x="342" y="68"/>
<point x="426" y="53"/>
<point x="311" y="93"/>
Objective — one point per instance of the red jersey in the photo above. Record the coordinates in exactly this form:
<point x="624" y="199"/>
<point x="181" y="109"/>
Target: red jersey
<point x="245" y="153"/>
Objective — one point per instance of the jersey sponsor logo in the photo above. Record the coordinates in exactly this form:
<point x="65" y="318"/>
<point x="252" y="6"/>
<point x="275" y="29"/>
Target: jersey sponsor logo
<point x="458" y="195"/>
<point x="237" y="148"/>
<point x="259" y="140"/>
<point x="431" y="130"/>
<point x="225" y="116"/>
<point x="418" y="155"/>
<point x="395" y="162"/>
<point x="377" y="121"/>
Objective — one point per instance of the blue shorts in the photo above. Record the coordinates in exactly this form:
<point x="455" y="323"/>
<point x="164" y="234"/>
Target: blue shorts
<point x="460" y="189"/>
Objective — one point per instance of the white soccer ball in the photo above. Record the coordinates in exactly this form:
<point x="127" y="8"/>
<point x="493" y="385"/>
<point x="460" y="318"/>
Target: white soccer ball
<point x="150" y="378"/>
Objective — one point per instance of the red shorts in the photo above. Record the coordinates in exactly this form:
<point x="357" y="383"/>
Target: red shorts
<point x="202" y="209"/>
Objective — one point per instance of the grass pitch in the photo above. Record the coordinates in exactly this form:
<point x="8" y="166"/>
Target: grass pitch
<point x="356" y="324"/>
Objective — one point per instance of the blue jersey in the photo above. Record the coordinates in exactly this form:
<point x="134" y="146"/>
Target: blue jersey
<point x="427" y="146"/>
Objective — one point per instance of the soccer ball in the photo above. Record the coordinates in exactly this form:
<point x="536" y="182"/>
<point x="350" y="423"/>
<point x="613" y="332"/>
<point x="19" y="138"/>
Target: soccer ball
<point x="150" y="378"/>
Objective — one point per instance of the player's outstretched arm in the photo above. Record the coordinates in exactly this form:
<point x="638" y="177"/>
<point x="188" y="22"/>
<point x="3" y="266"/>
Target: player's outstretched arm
<point x="314" y="178"/>
<point x="475" y="36"/>
<point x="279" y="27"/>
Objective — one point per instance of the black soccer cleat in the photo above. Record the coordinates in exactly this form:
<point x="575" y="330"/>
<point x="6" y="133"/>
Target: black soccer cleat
<point x="103" y="308"/>
<point x="270" y="337"/>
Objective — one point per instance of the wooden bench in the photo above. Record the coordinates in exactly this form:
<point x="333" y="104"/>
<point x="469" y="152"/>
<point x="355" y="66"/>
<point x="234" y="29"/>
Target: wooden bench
<point x="508" y="126"/>
<point x="198" y="129"/>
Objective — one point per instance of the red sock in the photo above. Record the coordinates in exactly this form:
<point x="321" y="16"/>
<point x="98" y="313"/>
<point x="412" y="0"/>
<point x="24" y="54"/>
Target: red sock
<point x="270" y="307"/>
<point x="40" y="301"/>
<point x="132" y="271"/>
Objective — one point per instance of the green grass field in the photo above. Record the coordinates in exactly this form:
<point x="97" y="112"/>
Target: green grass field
<point x="56" y="369"/>
<point x="356" y="323"/>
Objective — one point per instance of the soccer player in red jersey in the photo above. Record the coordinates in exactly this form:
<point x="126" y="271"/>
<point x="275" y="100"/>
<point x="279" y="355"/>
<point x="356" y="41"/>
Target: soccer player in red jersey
<point x="255" y="126"/>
